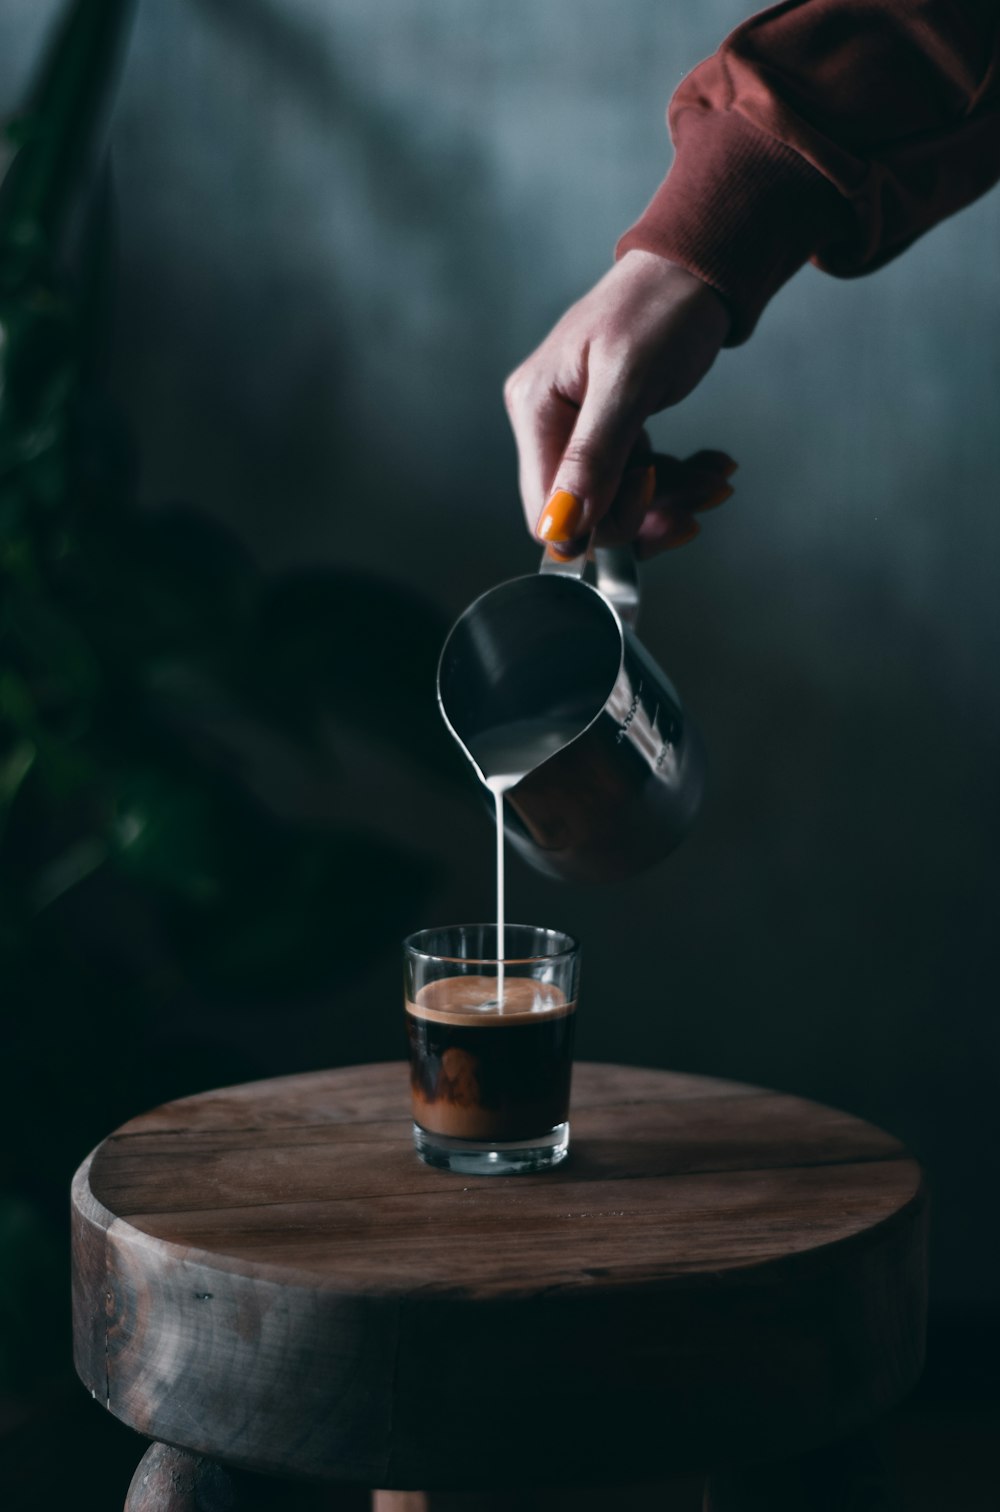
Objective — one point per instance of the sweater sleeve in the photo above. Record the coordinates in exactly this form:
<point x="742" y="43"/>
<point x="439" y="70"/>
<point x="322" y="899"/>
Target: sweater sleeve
<point x="836" y="130"/>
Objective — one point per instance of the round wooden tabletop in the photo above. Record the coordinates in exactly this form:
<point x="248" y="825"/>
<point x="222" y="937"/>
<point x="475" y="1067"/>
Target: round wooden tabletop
<point x="267" y="1274"/>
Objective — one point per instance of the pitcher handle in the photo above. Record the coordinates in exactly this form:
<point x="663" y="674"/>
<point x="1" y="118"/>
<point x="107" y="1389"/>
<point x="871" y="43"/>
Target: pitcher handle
<point x="616" y="575"/>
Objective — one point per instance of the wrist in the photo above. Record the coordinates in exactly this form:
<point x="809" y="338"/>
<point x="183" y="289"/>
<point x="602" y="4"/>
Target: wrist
<point x="739" y="210"/>
<point x="660" y="271"/>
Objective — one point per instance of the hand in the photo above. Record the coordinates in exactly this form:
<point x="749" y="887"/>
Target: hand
<point x="638" y="342"/>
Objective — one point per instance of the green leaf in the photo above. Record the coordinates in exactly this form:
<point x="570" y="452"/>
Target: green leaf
<point x="38" y="371"/>
<point x="15" y="764"/>
<point x="78" y="862"/>
<point x="52" y="654"/>
<point x="165" y="832"/>
<point x="58" y="131"/>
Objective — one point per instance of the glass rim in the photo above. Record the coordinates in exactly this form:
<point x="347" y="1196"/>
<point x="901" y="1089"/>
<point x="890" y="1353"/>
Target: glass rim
<point x="411" y="947"/>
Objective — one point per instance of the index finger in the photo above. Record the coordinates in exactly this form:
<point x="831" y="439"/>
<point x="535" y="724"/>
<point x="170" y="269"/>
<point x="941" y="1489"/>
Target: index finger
<point x="542" y="426"/>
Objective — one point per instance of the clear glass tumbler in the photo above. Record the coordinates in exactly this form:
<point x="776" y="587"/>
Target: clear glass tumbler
<point x="491" y="1046"/>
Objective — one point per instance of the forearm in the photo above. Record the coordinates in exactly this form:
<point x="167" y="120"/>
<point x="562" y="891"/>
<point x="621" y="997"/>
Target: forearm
<point x="833" y="129"/>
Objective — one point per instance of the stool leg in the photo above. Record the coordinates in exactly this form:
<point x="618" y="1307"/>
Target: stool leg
<point x="845" y="1477"/>
<point x="171" y="1480"/>
<point x="451" y="1501"/>
<point x="174" y="1480"/>
<point x="658" y="1498"/>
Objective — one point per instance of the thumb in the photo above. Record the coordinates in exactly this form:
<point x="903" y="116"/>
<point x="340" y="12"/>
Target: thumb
<point x="590" y="472"/>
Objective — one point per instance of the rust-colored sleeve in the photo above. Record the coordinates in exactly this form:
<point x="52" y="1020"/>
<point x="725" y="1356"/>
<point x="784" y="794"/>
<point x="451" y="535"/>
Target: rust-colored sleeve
<point x="837" y="130"/>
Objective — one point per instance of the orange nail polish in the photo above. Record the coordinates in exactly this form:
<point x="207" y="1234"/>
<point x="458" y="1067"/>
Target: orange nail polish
<point x="560" y="519"/>
<point x="716" y="497"/>
<point x="648" y="486"/>
<point x="729" y="469"/>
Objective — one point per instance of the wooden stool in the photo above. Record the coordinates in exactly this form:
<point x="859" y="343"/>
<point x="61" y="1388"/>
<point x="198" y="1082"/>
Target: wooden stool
<point x="719" y="1278"/>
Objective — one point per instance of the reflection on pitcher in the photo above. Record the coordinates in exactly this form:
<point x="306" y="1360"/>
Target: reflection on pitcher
<point x="565" y="716"/>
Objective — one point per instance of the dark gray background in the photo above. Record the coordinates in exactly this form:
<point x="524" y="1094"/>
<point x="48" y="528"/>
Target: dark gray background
<point x="341" y="225"/>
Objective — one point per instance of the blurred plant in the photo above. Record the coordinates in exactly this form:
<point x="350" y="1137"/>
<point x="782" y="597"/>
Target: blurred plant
<point x="136" y="864"/>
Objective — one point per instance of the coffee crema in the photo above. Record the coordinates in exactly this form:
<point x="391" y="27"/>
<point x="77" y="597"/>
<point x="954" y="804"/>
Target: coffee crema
<point x="490" y="1068"/>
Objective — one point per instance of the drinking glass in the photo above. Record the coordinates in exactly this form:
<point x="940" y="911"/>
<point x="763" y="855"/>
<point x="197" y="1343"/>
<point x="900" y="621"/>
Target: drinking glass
<point x="491" y="1045"/>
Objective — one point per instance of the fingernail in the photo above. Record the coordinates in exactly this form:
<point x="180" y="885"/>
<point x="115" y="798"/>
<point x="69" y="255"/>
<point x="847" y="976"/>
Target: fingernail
<point x="729" y="468"/>
<point x="648" y="486"/>
<point x="717" y="496"/>
<point x="560" y="519"/>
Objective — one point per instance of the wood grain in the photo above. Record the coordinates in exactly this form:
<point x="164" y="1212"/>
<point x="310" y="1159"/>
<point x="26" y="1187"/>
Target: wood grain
<point x="267" y="1275"/>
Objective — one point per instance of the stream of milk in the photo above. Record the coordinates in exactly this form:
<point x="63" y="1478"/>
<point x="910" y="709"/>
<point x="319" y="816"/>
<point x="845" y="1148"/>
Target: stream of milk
<point x="505" y="755"/>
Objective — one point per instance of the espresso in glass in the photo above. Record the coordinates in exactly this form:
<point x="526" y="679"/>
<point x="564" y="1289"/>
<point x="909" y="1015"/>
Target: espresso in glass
<point x="491" y="1045"/>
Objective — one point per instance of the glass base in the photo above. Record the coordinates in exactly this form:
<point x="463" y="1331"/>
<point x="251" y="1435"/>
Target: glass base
<point x="471" y="1157"/>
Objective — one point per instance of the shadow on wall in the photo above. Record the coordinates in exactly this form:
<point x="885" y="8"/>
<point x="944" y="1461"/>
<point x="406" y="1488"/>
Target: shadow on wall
<point x="308" y="361"/>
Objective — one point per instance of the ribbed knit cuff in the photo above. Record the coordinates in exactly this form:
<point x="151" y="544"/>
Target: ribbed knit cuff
<point x="738" y="209"/>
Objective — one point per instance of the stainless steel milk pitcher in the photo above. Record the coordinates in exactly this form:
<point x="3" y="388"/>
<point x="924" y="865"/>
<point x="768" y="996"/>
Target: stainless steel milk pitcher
<point x="611" y="771"/>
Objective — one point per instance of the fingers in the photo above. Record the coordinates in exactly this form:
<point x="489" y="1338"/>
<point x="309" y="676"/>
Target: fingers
<point x="542" y="428"/>
<point x="640" y="340"/>
<point x="592" y="468"/>
<point x="589" y="475"/>
<point x="684" y="489"/>
<point x="658" y="499"/>
<point x="718" y="463"/>
<point x="629" y="507"/>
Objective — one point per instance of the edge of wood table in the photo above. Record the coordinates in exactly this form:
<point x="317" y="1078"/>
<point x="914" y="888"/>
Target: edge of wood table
<point x="265" y="1274"/>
